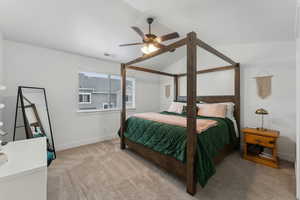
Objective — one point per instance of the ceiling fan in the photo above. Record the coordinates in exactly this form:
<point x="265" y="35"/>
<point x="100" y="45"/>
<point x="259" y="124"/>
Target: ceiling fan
<point x="151" y="42"/>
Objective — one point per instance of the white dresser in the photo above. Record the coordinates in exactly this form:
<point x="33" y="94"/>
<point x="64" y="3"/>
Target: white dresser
<point x="24" y="176"/>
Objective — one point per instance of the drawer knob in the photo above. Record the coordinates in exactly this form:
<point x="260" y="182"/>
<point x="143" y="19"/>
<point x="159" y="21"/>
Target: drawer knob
<point x="258" y="141"/>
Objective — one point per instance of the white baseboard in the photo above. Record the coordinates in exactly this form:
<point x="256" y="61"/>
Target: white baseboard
<point x="60" y="147"/>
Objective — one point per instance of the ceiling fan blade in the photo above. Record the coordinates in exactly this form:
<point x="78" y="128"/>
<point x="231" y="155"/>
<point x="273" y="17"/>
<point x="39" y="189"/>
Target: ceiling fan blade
<point x="131" y="44"/>
<point x="138" y="31"/>
<point x="169" y="36"/>
<point x="158" y="45"/>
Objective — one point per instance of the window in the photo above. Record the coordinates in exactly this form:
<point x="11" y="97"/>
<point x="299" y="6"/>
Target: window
<point x="85" y="98"/>
<point x="103" y="91"/>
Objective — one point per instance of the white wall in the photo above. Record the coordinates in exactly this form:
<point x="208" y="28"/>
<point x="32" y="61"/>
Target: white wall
<point x="58" y="73"/>
<point x="1" y="58"/>
<point x="277" y="59"/>
<point x="1" y="69"/>
<point x="297" y="25"/>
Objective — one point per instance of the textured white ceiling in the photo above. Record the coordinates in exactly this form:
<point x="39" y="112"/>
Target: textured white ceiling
<point x="226" y="22"/>
<point x="93" y="27"/>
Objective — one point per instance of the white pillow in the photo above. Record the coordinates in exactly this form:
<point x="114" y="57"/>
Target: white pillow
<point x="230" y="115"/>
<point x="176" y="107"/>
<point x="230" y="110"/>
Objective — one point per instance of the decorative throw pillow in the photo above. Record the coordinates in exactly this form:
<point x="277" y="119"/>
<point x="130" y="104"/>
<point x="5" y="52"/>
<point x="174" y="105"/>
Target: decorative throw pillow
<point x="213" y="110"/>
<point x="176" y="107"/>
<point x="230" y="110"/>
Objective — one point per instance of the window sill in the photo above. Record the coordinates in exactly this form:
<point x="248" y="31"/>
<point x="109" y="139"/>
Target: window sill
<point x="99" y="110"/>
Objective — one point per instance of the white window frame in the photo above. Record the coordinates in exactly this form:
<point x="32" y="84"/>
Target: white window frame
<point x="116" y="76"/>
<point x="85" y="93"/>
<point x="133" y="92"/>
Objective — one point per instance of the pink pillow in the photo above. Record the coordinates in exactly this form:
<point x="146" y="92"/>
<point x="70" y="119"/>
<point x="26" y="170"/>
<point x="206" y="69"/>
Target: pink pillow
<point x="213" y="110"/>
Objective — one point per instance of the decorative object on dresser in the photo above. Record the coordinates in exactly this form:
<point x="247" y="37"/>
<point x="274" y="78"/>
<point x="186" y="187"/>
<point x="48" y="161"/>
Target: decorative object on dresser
<point x="261" y="146"/>
<point x="261" y="112"/>
<point x="3" y="156"/>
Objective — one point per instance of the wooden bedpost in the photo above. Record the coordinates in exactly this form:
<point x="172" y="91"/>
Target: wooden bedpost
<point x="237" y="98"/>
<point x="191" y="112"/>
<point x="123" y="111"/>
<point x="175" y="87"/>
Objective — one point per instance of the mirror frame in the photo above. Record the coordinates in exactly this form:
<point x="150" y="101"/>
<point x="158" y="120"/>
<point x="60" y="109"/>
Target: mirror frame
<point x="28" y="131"/>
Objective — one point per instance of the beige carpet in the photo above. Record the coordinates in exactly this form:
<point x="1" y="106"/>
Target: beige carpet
<point x="103" y="172"/>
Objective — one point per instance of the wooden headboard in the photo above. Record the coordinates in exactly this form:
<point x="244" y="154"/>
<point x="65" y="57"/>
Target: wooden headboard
<point x="218" y="99"/>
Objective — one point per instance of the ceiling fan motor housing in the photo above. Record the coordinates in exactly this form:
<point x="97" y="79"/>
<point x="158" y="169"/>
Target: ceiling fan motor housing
<point x="150" y="20"/>
<point x="149" y="38"/>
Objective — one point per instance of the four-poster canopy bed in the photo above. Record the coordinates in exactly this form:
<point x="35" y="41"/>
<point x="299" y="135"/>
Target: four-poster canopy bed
<point x="186" y="170"/>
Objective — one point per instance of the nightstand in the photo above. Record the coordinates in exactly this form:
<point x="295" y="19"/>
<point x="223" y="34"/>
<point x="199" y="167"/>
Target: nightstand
<point x="258" y="140"/>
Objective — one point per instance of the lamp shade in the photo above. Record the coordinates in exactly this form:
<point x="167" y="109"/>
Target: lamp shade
<point x="261" y="111"/>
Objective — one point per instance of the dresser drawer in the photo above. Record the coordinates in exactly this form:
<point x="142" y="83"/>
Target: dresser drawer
<point x="260" y="140"/>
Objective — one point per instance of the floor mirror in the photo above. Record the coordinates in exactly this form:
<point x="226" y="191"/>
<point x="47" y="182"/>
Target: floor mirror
<point x="32" y="118"/>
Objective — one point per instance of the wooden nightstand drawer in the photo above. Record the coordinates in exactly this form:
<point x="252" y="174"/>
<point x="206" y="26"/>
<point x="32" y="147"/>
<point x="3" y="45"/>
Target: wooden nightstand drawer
<point x="260" y="140"/>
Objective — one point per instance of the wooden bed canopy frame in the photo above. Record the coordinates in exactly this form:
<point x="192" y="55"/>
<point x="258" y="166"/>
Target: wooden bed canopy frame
<point x="185" y="171"/>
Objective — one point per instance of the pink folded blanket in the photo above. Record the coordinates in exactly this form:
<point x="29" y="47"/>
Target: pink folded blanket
<point x="201" y="124"/>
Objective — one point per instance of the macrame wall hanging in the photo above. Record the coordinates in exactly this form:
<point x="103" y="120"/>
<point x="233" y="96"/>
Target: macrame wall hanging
<point x="168" y="91"/>
<point x="264" y="86"/>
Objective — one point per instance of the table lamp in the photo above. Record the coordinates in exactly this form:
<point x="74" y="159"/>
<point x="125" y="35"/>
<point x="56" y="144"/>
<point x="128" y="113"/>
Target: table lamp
<point x="261" y="112"/>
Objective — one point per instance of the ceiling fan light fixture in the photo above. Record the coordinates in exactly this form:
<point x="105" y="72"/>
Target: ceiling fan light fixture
<point x="149" y="48"/>
<point x="158" y="39"/>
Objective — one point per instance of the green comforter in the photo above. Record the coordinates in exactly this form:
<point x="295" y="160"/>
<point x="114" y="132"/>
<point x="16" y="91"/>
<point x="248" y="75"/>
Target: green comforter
<point x="171" y="140"/>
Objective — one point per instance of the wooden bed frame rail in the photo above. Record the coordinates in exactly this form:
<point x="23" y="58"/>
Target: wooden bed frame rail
<point x="185" y="171"/>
